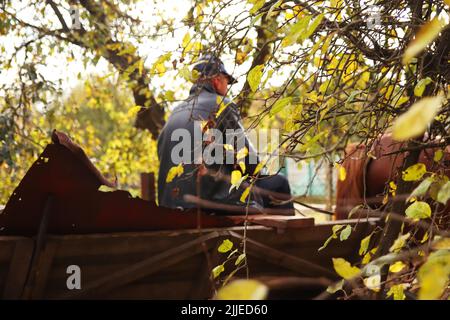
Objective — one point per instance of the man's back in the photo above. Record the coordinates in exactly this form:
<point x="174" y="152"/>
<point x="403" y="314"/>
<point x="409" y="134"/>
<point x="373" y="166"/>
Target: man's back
<point x="184" y="128"/>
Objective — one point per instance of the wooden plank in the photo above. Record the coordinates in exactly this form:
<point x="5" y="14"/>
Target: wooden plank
<point x="18" y="269"/>
<point x="281" y="222"/>
<point x="140" y="234"/>
<point x="44" y="264"/>
<point x="148" y="186"/>
<point x="280" y="258"/>
<point x="202" y="284"/>
<point x="143" y="268"/>
<point x="207" y="204"/>
<point x="41" y="241"/>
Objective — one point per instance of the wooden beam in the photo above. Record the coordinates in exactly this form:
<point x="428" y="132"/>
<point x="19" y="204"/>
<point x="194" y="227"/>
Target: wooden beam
<point x="279" y="222"/>
<point x="43" y="268"/>
<point x="148" y="186"/>
<point x="202" y="285"/>
<point x="18" y="269"/>
<point x="143" y="268"/>
<point x="41" y="241"/>
<point x="283" y="259"/>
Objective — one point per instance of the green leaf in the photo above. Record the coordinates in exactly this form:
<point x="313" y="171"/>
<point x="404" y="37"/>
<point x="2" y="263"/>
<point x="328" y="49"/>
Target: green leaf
<point x="257" y="4"/>
<point x="364" y="245"/>
<point x="346" y="233"/>
<point x="354" y="210"/>
<point x="240" y="259"/>
<point x="399" y="243"/>
<point x="414" y="172"/>
<point x="434" y="275"/>
<point x="231" y="253"/>
<point x="243" y="290"/>
<point x="436" y="186"/>
<point x="295" y="31"/>
<point x="279" y="105"/>
<point x="438" y="155"/>
<point x="426" y="34"/>
<point x="326" y="243"/>
<point x="345" y="269"/>
<point x="335" y="287"/>
<point x="418" y="210"/>
<point x="218" y="270"/>
<point x="420" y="86"/>
<point x="422" y="188"/>
<point x="415" y="121"/>
<point x="444" y="193"/>
<point x="397" y="292"/>
<point x="276" y="5"/>
<point x="334" y="229"/>
<point x="225" y="246"/>
<point x="312" y="27"/>
<point x="254" y="77"/>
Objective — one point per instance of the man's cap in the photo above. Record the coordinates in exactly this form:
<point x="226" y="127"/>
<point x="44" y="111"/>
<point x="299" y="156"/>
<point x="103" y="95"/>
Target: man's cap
<point x="210" y="65"/>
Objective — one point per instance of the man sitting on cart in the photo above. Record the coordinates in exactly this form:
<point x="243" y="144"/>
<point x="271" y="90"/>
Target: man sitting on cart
<point x="193" y="171"/>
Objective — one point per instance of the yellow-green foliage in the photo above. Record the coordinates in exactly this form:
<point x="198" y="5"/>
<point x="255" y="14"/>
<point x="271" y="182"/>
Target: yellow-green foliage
<point x="99" y="116"/>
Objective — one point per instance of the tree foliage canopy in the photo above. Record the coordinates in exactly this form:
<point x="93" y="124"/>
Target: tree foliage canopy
<point x="325" y="72"/>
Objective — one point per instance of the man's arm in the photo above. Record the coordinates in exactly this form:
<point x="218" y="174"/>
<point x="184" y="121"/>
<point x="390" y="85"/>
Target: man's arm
<point x="231" y="119"/>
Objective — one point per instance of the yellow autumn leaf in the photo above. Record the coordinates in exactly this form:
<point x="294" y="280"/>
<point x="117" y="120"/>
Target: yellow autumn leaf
<point x="366" y="259"/>
<point x="401" y="101"/>
<point x="418" y="210"/>
<point x="296" y="30"/>
<point x="218" y="270"/>
<point x="133" y="111"/>
<point x="443" y="243"/>
<point x="438" y="155"/>
<point x="259" y="166"/>
<point x="242" y="166"/>
<point x="236" y="177"/>
<point x="221" y="104"/>
<point x="345" y="269"/>
<point x="187" y="43"/>
<point x="425" y="237"/>
<point x="434" y="275"/>
<point x="414" y="172"/>
<point x="342" y="173"/>
<point x="373" y="282"/>
<point x="174" y="172"/>
<point x="244" y="194"/>
<point x="421" y="85"/>
<point x="414" y="122"/>
<point x="426" y="34"/>
<point x="243" y="290"/>
<point x="397" y="267"/>
<point x="242" y="153"/>
<point x="159" y="66"/>
<point x="444" y="193"/>
<point x="399" y="243"/>
<point x="228" y="147"/>
<point x="225" y="246"/>
<point x="254" y="77"/>
<point x="397" y="292"/>
<point x="364" y="245"/>
<point x="240" y="259"/>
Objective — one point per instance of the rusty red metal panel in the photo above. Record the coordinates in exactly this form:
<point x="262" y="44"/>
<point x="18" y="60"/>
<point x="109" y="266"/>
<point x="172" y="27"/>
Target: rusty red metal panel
<point x="80" y="208"/>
